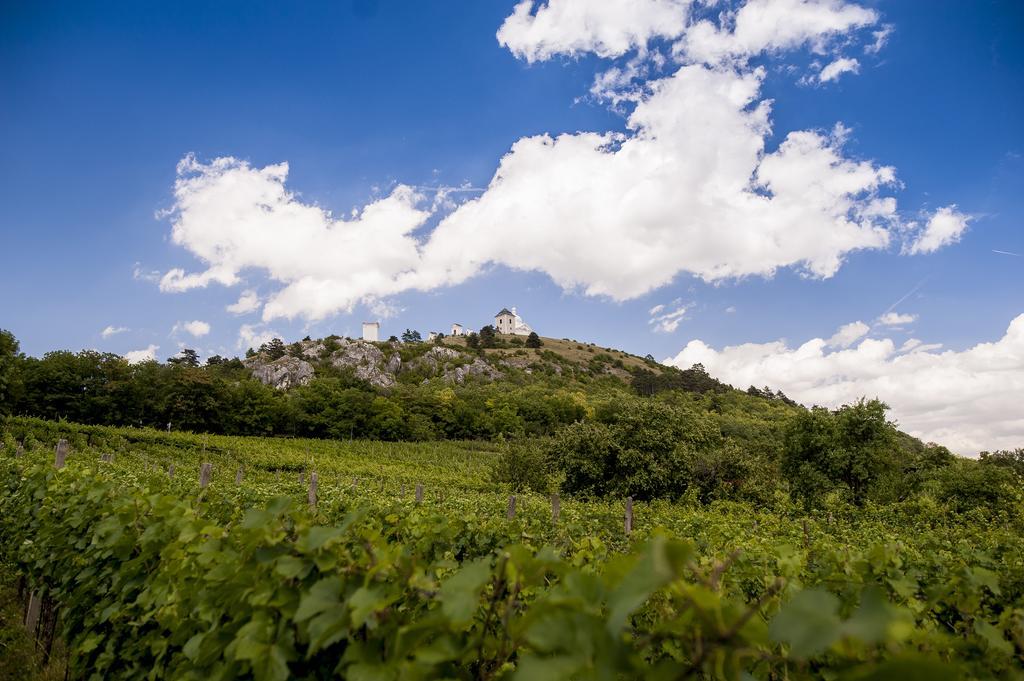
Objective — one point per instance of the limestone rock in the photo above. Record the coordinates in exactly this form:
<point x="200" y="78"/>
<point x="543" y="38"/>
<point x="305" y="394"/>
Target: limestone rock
<point x="365" y="360"/>
<point x="283" y="373"/>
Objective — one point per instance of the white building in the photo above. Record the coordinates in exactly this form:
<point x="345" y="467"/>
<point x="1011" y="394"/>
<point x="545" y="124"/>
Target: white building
<point x="371" y="331"/>
<point x="509" y="321"/>
<point x="432" y="336"/>
<point x="457" y="330"/>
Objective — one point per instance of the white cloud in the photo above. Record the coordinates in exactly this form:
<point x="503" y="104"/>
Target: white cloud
<point x="946" y="226"/>
<point x="139" y="356"/>
<point x="668" y="321"/>
<point x="608" y="28"/>
<point x="848" y="334"/>
<point x="248" y="302"/>
<point x="881" y="37"/>
<point x="113" y="331"/>
<point x="731" y="309"/>
<point x="691" y="188"/>
<point x="837" y="68"/>
<point x="139" y="274"/>
<point x="251" y="336"/>
<point x="233" y="216"/>
<point x="968" y="400"/>
<point x="383" y="309"/>
<point x="196" y="328"/>
<point x="896" y="319"/>
<point x="772" y="26"/>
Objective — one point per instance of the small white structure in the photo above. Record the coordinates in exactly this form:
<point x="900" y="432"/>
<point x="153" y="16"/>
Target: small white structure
<point x="509" y="321"/>
<point x="432" y="336"/>
<point x="371" y="331"/>
<point x="457" y="330"/>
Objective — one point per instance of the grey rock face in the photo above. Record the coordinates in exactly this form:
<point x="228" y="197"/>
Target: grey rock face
<point x="477" y="368"/>
<point x="366" y="361"/>
<point x="283" y="373"/>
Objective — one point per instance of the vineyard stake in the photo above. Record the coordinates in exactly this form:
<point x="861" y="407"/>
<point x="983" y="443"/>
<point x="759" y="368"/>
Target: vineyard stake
<point x="401" y="492"/>
<point x="238" y="477"/>
<point x="629" y="515"/>
<point x="312" y="490"/>
<point x="511" y="507"/>
<point x="60" y="454"/>
<point x="302" y="477"/>
<point x="204" y="474"/>
<point x="170" y="472"/>
<point x="556" y="509"/>
<point x="20" y="451"/>
<point x="32" y="618"/>
<point x="419" y="493"/>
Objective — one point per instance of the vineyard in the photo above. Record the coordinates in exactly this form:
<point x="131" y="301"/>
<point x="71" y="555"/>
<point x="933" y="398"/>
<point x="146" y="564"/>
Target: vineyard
<point x="170" y="555"/>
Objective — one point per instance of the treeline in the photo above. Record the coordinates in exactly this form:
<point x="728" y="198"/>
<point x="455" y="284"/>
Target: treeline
<point x="681" y="446"/>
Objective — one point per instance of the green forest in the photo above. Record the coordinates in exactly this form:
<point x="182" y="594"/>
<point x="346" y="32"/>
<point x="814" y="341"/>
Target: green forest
<point x="486" y="510"/>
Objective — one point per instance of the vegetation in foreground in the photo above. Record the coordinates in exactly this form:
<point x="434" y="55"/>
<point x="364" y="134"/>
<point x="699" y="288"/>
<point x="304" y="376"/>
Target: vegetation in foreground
<point x="159" y="579"/>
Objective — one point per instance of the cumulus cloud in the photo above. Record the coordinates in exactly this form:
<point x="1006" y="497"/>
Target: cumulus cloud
<point x="946" y="226"/>
<point x="760" y="26"/>
<point x="113" y="331"/>
<point x="607" y="28"/>
<point x="691" y="187"/>
<point x="833" y="70"/>
<point x="233" y="216"/>
<point x="848" y="334"/>
<point x="252" y="336"/>
<point x="195" y="327"/>
<point x="145" y="355"/>
<point x="248" y="302"/>
<point x="896" y="319"/>
<point x="666" y="319"/>
<point x="968" y="400"/>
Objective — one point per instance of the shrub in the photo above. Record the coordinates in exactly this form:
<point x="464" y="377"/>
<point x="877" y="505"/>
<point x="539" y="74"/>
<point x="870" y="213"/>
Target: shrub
<point x="523" y="467"/>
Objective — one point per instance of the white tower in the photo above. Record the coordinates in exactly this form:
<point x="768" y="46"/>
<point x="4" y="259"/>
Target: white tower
<point x="371" y="331"/>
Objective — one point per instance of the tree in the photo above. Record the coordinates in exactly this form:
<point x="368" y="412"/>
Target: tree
<point x="410" y="336"/>
<point x="392" y="339"/>
<point x="215" y="360"/>
<point x="9" y="357"/>
<point x="533" y="340"/>
<point x="846" y="449"/>
<point x="187" y="357"/>
<point x="487" y="337"/>
<point x="472" y="340"/>
<point x="274" y="349"/>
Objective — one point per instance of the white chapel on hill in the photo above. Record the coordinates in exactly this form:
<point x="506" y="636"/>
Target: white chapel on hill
<point x="509" y="321"/>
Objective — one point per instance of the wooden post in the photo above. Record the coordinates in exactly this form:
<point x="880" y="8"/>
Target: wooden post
<point x="419" y="493"/>
<point x="511" y="507"/>
<point x="32" y="617"/>
<point x="355" y="483"/>
<point x="401" y="492"/>
<point x="238" y="477"/>
<point x="277" y="474"/>
<point x="105" y="458"/>
<point x="629" y="515"/>
<point x="20" y="451"/>
<point x="556" y="509"/>
<point x="302" y="477"/>
<point x="205" y="471"/>
<point x="60" y="455"/>
<point x="312" y="490"/>
<point x="170" y="472"/>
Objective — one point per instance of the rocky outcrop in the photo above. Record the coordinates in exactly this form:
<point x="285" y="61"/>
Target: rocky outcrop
<point x="478" y="368"/>
<point x="283" y="373"/>
<point x="366" y="362"/>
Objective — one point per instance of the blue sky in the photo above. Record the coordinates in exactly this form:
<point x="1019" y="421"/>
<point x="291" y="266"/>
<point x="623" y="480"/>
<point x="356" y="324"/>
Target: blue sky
<point x="104" y="99"/>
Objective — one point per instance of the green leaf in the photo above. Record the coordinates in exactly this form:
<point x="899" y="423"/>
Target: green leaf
<point x="808" y="623"/>
<point x="907" y="668"/>
<point x="653" y="570"/>
<point x="993" y="637"/>
<point x="460" y="593"/>
<point x="325" y="594"/>
<point x="318" y="537"/>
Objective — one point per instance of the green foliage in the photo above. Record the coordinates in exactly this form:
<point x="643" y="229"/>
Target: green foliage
<point x="846" y="450"/>
<point x="522" y="467"/>
<point x="9" y="378"/>
<point x="488" y="337"/>
<point x="533" y="340"/>
<point x="274" y="349"/>
<point x="410" y="336"/>
<point x="186" y="358"/>
<point x="156" y="580"/>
